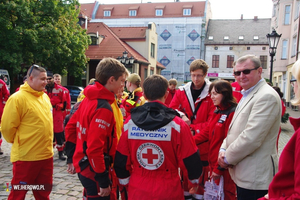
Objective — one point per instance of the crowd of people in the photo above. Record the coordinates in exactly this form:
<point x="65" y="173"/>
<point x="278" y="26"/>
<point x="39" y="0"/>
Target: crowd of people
<point x="152" y="141"/>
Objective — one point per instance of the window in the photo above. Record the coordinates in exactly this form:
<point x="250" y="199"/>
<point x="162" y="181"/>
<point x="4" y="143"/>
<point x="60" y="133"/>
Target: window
<point x="294" y="51"/>
<point x="284" y="49"/>
<point x="145" y="73"/>
<point x="241" y="37"/>
<point x="263" y="48"/>
<point x="132" y="12"/>
<point x="216" y="48"/>
<point x="106" y="13"/>
<point x="248" y="48"/>
<point x="230" y="59"/>
<point x="226" y="37"/>
<point x="152" y="50"/>
<point x="230" y="48"/>
<point x="297" y="9"/>
<point x="187" y="11"/>
<point x="215" y="61"/>
<point x="94" y="40"/>
<point x="287" y="14"/>
<point x="263" y="60"/>
<point x="255" y="37"/>
<point x="210" y="37"/>
<point x="159" y="12"/>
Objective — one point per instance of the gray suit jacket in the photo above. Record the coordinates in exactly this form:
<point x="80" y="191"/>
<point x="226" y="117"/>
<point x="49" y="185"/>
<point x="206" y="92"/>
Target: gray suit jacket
<point x="251" y="140"/>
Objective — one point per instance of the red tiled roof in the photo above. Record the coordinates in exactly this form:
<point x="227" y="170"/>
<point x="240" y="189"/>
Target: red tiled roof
<point x="147" y="10"/>
<point x="87" y="9"/>
<point x="111" y="45"/>
<point x="131" y="33"/>
<point x="158" y="64"/>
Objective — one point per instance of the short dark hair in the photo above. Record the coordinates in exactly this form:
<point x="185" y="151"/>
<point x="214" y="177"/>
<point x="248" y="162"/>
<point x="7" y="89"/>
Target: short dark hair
<point x="109" y="67"/>
<point x="223" y="87"/>
<point x="277" y="89"/>
<point x="199" y="64"/>
<point x="155" y="87"/>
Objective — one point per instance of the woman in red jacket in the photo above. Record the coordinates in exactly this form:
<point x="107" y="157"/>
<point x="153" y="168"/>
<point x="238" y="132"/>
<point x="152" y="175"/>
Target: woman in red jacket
<point x="216" y="131"/>
<point x="286" y="183"/>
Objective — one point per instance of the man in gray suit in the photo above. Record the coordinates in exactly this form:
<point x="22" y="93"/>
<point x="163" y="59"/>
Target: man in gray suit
<point x="249" y="150"/>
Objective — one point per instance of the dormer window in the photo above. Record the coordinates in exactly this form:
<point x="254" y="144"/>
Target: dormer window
<point x="132" y="12"/>
<point x="94" y="40"/>
<point x="187" y="11"/>
<point x="210" y="37"/>
<point x="226" y="37"/>
<point x="255" y="37"/>
<point x="107" y="13"/>
<point x="158" y="12"/>
<point x="241" y="37"/>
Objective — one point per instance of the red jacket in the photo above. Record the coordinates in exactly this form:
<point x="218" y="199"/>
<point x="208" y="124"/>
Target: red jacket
<point x="68" y="101"/>
<point x="183" y="101"/>
<point x="92" y="130"/>
<point x="215" y="133"/>
<point x="236" y="91"/>
<point x="154" y="145"/>
<point x="286" y="183"/>
<point x="134" y="99"/>
<point x="170" y="96"/>
<point x="58" y="100"/>
<point x="4" y="94"/>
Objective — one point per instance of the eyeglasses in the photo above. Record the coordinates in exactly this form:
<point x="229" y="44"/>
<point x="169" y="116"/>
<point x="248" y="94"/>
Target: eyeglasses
<point x="31" y="69"/>
<point x="246" y="71"/>
<point x="293" y="82"/>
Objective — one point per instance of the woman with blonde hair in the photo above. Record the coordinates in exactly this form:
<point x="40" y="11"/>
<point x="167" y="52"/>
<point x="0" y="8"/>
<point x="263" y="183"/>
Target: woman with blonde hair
<point x="286" y="183"/>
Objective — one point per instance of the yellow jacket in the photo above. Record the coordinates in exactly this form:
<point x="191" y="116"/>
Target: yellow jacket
<point x="118" y="117"/>
<point x="27" y="123"/>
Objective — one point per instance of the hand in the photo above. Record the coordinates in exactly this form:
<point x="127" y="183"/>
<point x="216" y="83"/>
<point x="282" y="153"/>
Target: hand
<point x="104" y="192"/>
<point x="194" y="189"/>
<point x="186" y="120"/>
<point x="71" y="168"/>
<point x="215" y="176"/>
<point x="221" y="160"/>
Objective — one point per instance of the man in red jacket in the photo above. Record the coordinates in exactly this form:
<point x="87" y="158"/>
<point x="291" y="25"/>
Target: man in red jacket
<point x="4" y="94"/>
<point x="91" y="132"/>
<point x="154" y="143"/>
<point x="57" y="80"/>
<point x="196" y="107"/>
<point x="58" y="100"/>
<point x="171" y="90"/>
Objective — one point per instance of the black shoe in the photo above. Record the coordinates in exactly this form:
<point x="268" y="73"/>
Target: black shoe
<point x="1" y="152"/>
<point x="61" y="156"/>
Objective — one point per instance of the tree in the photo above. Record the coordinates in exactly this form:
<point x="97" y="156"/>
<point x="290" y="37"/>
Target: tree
<point x="45" y="32"/>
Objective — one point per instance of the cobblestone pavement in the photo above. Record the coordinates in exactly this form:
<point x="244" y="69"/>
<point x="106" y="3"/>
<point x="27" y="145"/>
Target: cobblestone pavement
<point x="68" y="187"/>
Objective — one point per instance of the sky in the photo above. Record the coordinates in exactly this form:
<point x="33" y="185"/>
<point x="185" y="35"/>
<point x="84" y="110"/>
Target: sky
<point x="221" y="9"/>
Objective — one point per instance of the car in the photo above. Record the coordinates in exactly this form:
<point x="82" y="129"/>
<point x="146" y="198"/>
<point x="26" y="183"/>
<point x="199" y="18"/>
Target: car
<point x="74" y="92"/>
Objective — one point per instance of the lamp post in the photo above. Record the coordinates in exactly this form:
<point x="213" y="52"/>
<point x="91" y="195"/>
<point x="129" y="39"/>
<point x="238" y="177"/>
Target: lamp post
<point x="125" y="60"/>
<point x="273" y="40"/>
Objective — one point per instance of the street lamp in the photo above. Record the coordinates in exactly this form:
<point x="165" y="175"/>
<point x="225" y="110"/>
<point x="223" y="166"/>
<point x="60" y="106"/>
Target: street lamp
<point x="125" y="60"/>
<point x="273" y="40"/>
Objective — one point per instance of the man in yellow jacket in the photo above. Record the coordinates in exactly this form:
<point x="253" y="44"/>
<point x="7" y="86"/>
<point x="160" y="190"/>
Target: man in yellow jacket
<point x="27" y="123"/>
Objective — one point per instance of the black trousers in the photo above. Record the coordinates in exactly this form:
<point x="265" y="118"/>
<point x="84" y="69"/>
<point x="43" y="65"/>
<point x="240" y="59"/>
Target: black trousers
<point x="245" y="194"/>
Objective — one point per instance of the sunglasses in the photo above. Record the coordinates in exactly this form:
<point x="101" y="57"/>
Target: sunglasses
<point x="48" y="79"/>
<point x="246" y="71"/>
<point x="31" y="69"/>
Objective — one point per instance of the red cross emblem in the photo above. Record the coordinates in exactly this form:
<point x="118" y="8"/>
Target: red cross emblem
<point x="149" y="156"/>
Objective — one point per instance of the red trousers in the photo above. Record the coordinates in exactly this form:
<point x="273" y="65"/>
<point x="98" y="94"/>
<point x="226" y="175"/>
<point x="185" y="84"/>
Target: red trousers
<point x="32" y="173"/>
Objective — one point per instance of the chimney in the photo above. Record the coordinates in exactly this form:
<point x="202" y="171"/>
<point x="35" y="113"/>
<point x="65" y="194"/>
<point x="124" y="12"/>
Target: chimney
<point x="255" y="18"/>
<point x="241" y="16"/>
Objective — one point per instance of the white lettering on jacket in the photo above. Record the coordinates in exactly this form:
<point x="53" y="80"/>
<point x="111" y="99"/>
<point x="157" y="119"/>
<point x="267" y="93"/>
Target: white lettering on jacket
<point x="161" y="134"/>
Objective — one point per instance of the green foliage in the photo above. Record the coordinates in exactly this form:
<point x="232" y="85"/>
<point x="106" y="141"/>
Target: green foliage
<point x="45" y="32"/>
<point x="285" y="118"/>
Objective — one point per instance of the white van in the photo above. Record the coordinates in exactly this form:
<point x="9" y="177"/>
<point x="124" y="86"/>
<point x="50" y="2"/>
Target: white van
<point x="4" y="75"/>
